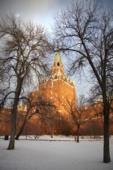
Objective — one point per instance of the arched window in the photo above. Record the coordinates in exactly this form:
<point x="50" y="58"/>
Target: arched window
<point x="55" y="76"/>
<point x="58" y="64"/>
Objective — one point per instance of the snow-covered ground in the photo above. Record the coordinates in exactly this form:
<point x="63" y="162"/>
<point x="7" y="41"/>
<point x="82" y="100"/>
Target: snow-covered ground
<point x="54" y="155"/>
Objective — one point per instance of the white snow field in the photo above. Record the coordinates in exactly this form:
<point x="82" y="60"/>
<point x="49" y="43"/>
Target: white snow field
<point x="54" y="155"/>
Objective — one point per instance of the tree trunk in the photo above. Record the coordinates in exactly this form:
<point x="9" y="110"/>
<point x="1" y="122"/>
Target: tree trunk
<point x="14" y="116"/>
<point x="21" y="130"/>
<point x="6" y="137"/>
<point x="13" y="126"/>
<point x="78" y="128"/>
<point x="106" y="154"/>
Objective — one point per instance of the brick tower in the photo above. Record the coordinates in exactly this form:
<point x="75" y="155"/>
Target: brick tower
<point x="58" y="87"/>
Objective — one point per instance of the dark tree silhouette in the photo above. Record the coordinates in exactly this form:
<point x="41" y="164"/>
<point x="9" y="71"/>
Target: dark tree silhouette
<point x="25" y="48"/>
<point x="87" y="32"/>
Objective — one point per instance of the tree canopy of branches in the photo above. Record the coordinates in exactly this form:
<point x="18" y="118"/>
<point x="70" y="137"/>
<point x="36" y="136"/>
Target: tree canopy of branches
<point x="85" y="30"/>
<point x="78" y="114"/>
<point x="24" y="54"/>
<point x="43" y="109"/>
<point x="47" y="112"/>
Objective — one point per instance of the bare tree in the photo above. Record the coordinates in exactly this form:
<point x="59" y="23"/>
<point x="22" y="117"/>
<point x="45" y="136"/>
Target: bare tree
<point x="88" y="33"/>
<point x="79" y="115"/>
<point x="25" y="48"/>
<point x="47" y="112"/>
<point x="25" y="114"/>
<point x="40" y="107"/>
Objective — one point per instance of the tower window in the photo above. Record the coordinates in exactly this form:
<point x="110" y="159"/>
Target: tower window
<point x="58" y="64"/>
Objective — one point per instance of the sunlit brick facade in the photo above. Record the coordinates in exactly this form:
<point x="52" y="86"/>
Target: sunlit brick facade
<point x="58" y="87"/>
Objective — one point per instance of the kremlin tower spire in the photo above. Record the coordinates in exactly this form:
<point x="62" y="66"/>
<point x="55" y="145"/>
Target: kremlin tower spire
<point x="57" y="58"/>
<point x="57" y="68"/>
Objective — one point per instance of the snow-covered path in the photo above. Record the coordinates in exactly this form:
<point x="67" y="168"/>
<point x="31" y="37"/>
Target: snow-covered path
<point x="54" y="155"/>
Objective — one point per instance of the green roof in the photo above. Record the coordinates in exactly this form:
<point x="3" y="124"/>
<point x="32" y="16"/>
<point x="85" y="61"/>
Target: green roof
<point x="57" y="57"/>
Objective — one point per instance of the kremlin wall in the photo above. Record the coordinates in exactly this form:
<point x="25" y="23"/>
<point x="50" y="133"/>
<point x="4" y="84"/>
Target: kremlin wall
<point x="59" y="90"/>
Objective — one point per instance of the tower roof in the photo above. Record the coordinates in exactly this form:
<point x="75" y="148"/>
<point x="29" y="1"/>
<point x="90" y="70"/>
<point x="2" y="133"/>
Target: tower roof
<point x="57" y="57"/>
